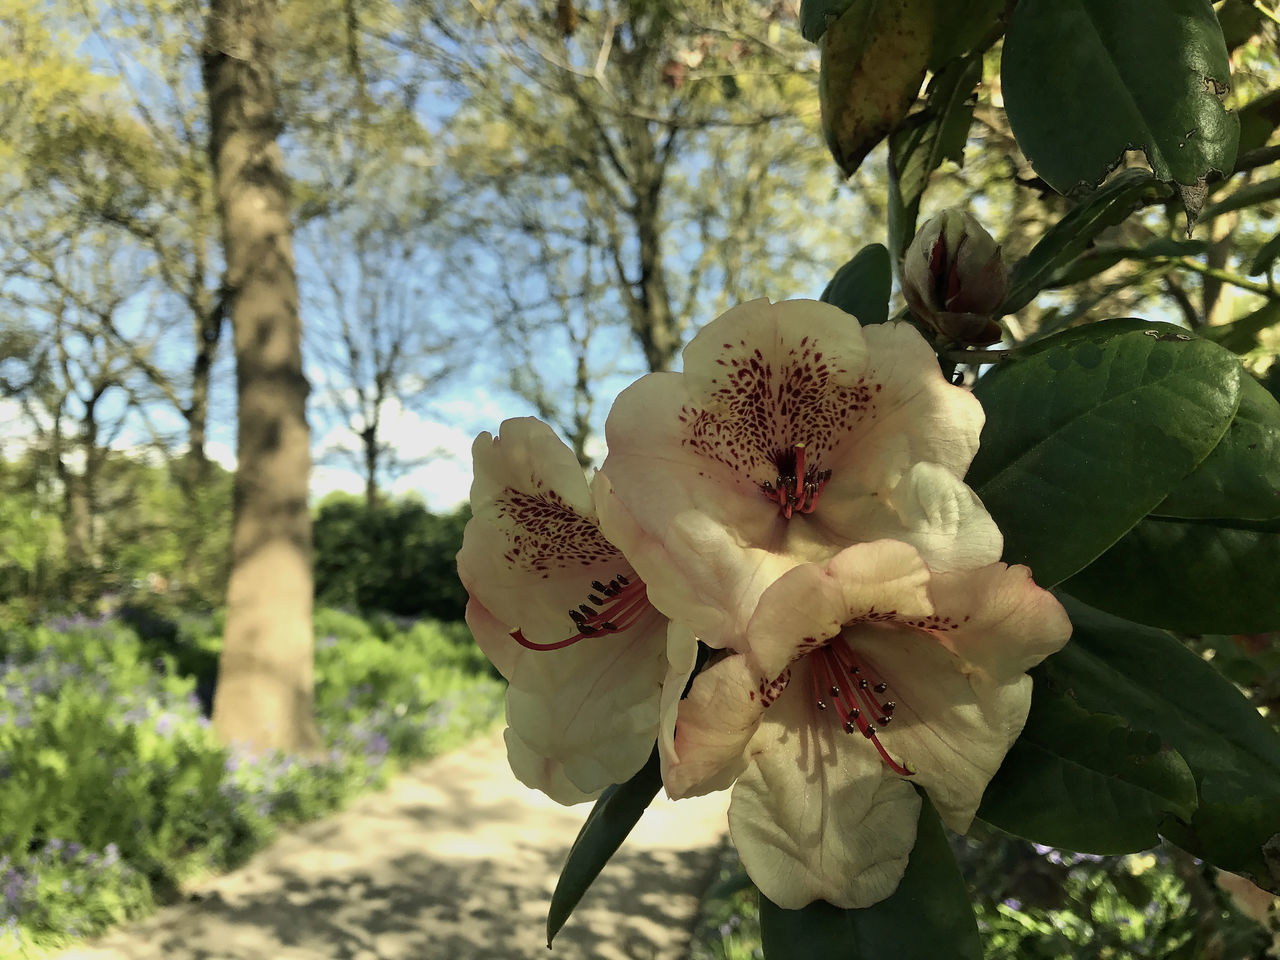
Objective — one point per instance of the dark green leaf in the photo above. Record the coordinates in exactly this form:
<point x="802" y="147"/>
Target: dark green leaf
<point x="1156" y="683"/>
<point x="959" y="25"/>
<point x="1086" y="80"/>
<point x="1194" y="576"/>
<point x="1265" y="257"/>
<point x="1258" y="119"/>
<point x="1240" y="20"/>
<point x="938" y="132"/>
<point x="1065" y="240"/>
<point x="1082" y="780"/>
<point x="930" y="908"/>
<point x="817" y="15"/>
<point x="1241" y="336"/>
<point x="1246" y="196"/>
<point x="1094" y="261"/>
<point x="862" y="286"/>
<point x="611" y="819"/>
<point x="1088" y="430"/>
<point x="1241" y="477"/>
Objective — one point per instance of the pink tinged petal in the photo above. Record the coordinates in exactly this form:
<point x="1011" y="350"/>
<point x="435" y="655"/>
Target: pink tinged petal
<point x="541" y="773"/>
<point x="773" y="390"/>
<point x="692" y="567"/>
<point x="589" y="713"/>
<point x="533" y="550"/>
<point x="699" y="462"/>
<point x="951" y="725"/>
<point x="809" y="604"/>
<point x="494" y="639"/>
<point x="816" y="815"/>
<point x="526" y="456"/>
<point x="944" y="519"/>
<point x="917" y="408"/>
<point x="998" y="619"/>
<point x="714" y="724"/>
<point x="682" y="657"/>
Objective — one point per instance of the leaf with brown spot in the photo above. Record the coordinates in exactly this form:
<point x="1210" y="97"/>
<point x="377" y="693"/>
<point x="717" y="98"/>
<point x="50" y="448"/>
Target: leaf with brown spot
<point x="873" y="62"/>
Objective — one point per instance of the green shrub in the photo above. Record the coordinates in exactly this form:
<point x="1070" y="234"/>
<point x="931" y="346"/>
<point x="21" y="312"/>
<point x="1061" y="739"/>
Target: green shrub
<point x="397" y="558"/>
<point x="113" y="788"/>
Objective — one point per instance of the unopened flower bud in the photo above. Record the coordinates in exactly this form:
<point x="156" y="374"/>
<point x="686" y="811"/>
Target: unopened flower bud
<point x="954" y="278"/>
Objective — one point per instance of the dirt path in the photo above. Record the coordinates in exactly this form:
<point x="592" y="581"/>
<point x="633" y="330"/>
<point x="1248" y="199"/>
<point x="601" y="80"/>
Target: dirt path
<point x="455" y="861"/>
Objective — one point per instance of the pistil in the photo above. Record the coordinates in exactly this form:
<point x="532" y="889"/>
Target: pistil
<point x="608" y="609"/>
<point x="846" y="686"/>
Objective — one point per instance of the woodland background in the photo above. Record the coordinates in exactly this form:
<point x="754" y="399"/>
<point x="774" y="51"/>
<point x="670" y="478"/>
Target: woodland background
<point x="520" y="205"/>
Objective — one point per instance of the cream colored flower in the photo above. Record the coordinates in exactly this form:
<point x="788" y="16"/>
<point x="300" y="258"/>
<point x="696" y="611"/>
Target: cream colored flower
<point x="791" y="434"/>
<point x="562" y="615"/>
<point x="863" y="676"/>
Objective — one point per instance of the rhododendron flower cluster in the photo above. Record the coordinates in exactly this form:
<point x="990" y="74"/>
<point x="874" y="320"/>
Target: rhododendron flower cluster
<point x="794" y="500"/>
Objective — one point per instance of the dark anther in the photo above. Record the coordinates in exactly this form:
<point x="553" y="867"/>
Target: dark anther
<point x="586" y="629"/>
<point x="881" y="687"/>
<point x="608" y="626"/>
<point x="576" y="616"/>
<point x="597" y="585"/>
<point x="855" y="669"/>
<point x="586" y="610"/>
<point x="622" y="580"/>
<point x="889" y="706"/>
<point x="768" y="487"/>
<point x="849" y="726"/>
<point x="853" y="714"/>
<point x="835" y="691"/>
<point x="883" y="721"/>
<point x="596" y="600"/>
<point x="869" y="732"/>
<point x="821" y="705"/>
<point x="862" y="684"/>
<point x="613" y="585"/>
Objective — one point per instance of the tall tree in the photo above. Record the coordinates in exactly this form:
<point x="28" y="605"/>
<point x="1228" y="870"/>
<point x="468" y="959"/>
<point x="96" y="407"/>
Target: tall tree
<point x="382" y="354"/>
<point x="265" y="685"/>
<point x="632" y="167"/>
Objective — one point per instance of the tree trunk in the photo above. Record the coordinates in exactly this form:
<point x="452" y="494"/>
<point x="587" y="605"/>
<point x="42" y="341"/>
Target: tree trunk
<point x="369" y="444"/>
<point x="265" y="688"/>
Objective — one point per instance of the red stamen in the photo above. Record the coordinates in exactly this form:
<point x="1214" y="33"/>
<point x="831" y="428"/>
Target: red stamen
<point x="629" y="604"/>
<point x="841" y="681"/>
<point x="799" y="488"/>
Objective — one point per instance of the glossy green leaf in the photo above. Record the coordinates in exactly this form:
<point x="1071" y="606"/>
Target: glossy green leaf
<point x="1265" y="257"/>
<point x="936" y="133"/>
<point x="862" y="286"/>
<point x="1194" y="576"/>
<point x="960" y="24"/>
<point x="1085" y="781"/>
<point x="1093" y="261"/>
<point x="1065" y="240"/>
<point x="817" y="15"/>
<point x="1258" y="120"/>
<point x="1241" y="336"/>
<point x="1249" y="195"/>
<point x="1241" y="477"/>
<point x="611" y="819"/>
<point x="1086" y="80"/>
<point x="929" y="909"/>
<point x="1088" y="430"/>
<point x="1155" y="683"/>
<point x="1240" y="21"/>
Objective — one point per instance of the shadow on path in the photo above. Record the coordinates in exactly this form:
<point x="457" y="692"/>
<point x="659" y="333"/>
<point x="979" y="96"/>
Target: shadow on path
<point x="455" y="861"/>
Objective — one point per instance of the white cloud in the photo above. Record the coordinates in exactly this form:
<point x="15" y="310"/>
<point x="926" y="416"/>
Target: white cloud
<point x="439" y="444"/>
